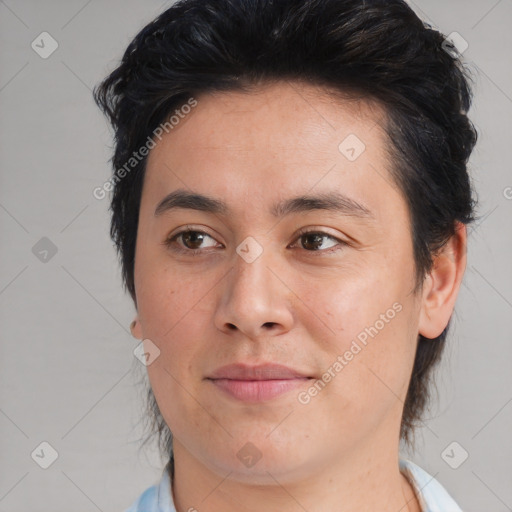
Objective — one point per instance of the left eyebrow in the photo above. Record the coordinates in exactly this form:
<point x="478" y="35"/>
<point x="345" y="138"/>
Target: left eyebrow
<point x="328" y="201"/>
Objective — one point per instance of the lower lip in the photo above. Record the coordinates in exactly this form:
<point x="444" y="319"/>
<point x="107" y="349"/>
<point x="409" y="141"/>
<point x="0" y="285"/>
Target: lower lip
<point x="257" y="390"/>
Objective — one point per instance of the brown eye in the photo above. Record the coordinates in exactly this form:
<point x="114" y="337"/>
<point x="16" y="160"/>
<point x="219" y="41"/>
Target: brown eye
<point x="314" y="241"/>
<point x="191" y="241"/>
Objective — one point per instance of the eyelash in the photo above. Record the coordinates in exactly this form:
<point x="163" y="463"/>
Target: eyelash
<point x="170" y="242"/>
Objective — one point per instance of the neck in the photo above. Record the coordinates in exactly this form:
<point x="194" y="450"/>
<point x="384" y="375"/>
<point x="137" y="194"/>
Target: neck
<point x="369" y="480"/>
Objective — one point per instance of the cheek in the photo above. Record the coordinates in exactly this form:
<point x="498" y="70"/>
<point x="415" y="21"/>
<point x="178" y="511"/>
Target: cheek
<point x="168" y="298"/>
<point x="172" y="313"/>
<point x="341" y="305"/>
<point x="364" y="322"/>
<point x="175" y="376"/>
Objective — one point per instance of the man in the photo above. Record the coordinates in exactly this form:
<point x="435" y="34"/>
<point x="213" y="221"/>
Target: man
<point x="290" y="201"/>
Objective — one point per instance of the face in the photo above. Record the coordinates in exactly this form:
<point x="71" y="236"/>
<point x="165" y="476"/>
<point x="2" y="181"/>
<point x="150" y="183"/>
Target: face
<point x="246" y="284"/>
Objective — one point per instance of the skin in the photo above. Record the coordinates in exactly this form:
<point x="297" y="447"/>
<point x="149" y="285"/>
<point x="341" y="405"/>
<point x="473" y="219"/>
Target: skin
<point x="296" y="304"/>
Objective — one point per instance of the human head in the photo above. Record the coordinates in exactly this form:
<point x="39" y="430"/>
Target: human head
<point x="375" y="50"/>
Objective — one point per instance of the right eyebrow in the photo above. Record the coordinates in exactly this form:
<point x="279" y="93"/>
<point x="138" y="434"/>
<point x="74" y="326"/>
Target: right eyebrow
<point x="184" y="199"/>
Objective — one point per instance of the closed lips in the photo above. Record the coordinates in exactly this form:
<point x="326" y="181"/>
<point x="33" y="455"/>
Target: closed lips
<point x="240" y="371"/>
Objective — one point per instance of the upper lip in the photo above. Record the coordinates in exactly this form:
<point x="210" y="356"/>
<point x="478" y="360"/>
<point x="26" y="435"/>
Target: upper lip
<point x="268" y="371"/>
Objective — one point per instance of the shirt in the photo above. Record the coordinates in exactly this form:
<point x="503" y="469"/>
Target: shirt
<point x="432" y="496"/>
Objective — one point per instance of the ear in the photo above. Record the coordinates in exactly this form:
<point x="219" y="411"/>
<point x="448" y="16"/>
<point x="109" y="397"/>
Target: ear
<point x="441" y="286"/>
<point x="136" y="328"/>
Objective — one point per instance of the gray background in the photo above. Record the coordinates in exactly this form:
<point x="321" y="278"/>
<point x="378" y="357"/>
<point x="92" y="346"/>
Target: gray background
<point x="68" y="374"/>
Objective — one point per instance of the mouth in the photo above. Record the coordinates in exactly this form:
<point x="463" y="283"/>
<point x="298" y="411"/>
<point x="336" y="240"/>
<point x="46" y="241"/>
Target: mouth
<point x="257" y="383"/>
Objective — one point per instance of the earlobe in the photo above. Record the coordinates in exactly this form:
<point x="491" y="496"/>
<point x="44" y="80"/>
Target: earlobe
<point x="442" y="285"/>
<point x="135" y="328"/>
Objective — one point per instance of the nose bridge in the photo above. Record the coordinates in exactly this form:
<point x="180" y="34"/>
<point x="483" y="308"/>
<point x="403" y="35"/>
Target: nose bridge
<point x="250" y="277"/>
<point x="253" y="297"/>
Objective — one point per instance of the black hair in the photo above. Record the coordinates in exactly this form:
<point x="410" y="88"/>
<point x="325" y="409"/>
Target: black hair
<point x="375" y="49"/>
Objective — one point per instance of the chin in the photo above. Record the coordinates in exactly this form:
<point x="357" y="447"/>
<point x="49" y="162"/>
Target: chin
<point x="261" y="460"/>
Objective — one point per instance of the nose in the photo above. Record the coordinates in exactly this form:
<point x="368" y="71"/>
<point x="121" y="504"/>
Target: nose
<point x="254" y="297"/>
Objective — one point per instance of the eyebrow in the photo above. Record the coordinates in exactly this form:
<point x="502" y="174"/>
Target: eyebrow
<point x="328" y="201"/>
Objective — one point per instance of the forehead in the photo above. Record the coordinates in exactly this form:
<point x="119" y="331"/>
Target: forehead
<point x="278" y="139"/>
<point x="279" y="112"/>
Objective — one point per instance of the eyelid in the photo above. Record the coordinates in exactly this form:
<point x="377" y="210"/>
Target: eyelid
<point x="317" y="230"/>
<point x="188" y="227"/>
